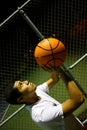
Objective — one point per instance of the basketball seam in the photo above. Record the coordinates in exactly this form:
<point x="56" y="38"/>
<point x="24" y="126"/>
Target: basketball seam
<point x="49" y="48"/>
<point x="52" y="54"/>
<point x="52" y="51"/>
<point x="55" y="59"/>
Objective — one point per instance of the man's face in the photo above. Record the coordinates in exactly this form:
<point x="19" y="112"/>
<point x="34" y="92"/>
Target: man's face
<point x="25" y="88"/>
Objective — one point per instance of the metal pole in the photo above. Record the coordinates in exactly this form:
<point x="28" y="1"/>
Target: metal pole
<point x="1" y="124"/>
<point x="14" y="13"/>
<point x="73" y="78"/>
<point x="5" y="113"/>
<point x="30" y="23"/>
<point x="73" y="65"/>
<point x="85" y="121"/>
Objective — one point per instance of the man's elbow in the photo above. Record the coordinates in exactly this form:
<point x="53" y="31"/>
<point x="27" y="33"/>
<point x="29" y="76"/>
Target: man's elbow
<point x="80" y="100"/>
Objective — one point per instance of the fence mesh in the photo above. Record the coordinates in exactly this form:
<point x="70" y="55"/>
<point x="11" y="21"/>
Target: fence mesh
<point x="68" y="21"/>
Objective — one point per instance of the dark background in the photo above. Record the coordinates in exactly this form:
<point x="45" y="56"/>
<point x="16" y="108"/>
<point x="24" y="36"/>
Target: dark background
<point x="7" y="7"/>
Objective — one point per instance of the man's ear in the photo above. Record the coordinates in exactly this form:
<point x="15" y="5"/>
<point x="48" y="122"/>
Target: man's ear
<point x="20" y="99"/>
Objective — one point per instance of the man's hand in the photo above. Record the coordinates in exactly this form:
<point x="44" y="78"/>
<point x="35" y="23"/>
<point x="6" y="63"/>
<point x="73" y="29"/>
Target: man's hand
<point x="54" y="71"/>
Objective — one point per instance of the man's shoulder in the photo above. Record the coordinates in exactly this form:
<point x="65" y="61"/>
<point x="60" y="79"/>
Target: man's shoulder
<point x="43" y="87"/>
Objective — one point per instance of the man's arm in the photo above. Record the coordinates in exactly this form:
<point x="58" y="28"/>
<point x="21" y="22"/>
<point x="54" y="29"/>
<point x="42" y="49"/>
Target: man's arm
<point x="76" y="97"/>
<point x="53" y="79"/>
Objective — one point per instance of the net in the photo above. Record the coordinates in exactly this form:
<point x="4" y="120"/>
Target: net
<point x="68" y="21"/>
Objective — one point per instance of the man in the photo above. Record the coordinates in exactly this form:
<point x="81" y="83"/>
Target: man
<point x="48" y="113"/>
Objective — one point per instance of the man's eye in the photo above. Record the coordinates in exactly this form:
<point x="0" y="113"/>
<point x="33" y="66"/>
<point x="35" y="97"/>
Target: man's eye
<point x="20" y="83"/>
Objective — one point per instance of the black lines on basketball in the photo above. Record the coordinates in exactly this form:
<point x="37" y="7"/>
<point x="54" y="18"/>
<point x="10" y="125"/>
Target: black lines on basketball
<point x="50" y="51"/>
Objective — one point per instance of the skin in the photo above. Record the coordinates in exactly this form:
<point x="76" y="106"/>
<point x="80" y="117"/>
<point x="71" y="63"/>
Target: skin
<point x="28" y="92"/>
<point x="29" y="96"/>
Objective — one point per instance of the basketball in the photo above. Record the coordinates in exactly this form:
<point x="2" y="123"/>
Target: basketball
<point x="50" y="51"/>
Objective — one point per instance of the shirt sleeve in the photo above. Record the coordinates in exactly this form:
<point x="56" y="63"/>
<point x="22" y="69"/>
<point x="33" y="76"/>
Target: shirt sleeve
<point x="43" y="87"/>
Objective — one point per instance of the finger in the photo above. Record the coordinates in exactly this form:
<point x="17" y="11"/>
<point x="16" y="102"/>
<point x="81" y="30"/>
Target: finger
<point x="44" y="67"/>
<point x="47" y="68"/>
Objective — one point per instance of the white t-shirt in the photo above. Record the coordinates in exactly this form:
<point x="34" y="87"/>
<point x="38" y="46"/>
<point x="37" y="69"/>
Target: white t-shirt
<point x="47" y="112"/>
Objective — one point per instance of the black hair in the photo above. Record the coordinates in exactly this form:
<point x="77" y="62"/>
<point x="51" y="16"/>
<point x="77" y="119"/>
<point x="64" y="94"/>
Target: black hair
<point x="11" y="93"/>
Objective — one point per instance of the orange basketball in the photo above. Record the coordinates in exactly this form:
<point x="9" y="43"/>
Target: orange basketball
<point x="50" y="51"/>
